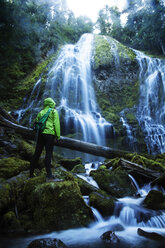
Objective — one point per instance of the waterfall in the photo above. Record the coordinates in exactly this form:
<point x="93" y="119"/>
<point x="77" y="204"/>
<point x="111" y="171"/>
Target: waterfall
<point x="151" y="107"/>
<point x="69" y="83"/>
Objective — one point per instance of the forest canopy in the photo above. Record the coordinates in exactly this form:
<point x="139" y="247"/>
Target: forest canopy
<point x="32" y="30"/>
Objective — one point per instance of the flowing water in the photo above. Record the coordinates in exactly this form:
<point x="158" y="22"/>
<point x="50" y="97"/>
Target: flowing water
<point x="129" y="215"/>
<point x="151" y="108"/>
<point x="69" y="83"/>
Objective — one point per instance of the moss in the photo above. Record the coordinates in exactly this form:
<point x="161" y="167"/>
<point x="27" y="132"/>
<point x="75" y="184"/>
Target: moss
<point x="106" y="50"/>
<point x="58" y="205"/>
<point x="4" y="196"/>
<point x="25" y="86"/>
<point x="10" y="222"/>
<point x="79" y="168"/>
<point x="102" y="202"/>
<point x="85" y="187"/>
<point x="12" y="166"/>
<point x="25" y="149"/>
<point x="103" y="54"/>
<point x="115" y="183"/>
<point x="70" y="163"/>
<point x="146" y="162"/>
<point x="114" y="163"/>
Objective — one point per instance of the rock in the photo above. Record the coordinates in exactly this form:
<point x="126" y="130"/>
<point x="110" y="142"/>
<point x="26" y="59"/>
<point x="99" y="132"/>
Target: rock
<point x="79" y="168"/>
<point x="47" y="243"/>
<point x="5" y="200"/>
<point x="56" y="205"/>
<point x="102" y="202"/>
<point x="160" y="181"/>
<point x="10" y="222"/>
<point x="116" y="183"/>
<point x="85" y="187"/>
<point x="12" y="166"/>
<point x="150" y="235"/>
<point x="110" y="237"/>
<point x="70" y="163"/>
<point x="155" y="200"/>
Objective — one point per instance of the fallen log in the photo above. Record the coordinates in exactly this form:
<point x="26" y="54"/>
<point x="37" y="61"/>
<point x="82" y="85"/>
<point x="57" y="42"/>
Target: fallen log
<point x="65" y="142"/>
<point x="139" y="169"/>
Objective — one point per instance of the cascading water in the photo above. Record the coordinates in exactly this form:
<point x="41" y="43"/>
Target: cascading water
<point x="151" y="108"/>
<point x="69" y="83"/>
<point x="129" y="215"/>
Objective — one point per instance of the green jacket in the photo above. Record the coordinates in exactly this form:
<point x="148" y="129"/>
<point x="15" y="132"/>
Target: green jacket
<point x="53" y="122"/>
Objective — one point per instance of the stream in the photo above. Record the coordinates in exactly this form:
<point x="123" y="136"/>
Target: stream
<point x="128" y="216"/>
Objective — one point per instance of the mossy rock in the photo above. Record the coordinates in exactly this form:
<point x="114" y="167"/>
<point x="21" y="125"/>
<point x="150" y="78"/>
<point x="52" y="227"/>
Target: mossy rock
<point x="155" y="200"/>
<point x="79" y="168"/>
<point x="10" y="222"/>
<point x="85" y="187"/>
<point x="12" y="166"/>
<point x="146" y="162"/>
<point x="58" y="205"/>
<point x="116" y="183"/>
<point x="102" y="202"/>
<point x="26" y="150"/>
<point x="5" y="190"/>
<point x="70" y="163"/>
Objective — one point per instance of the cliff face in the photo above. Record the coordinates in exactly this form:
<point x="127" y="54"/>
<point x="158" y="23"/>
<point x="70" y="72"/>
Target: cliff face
<point x="116" y="82"/>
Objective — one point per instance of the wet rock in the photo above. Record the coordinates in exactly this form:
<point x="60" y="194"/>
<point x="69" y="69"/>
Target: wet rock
<point x="85" y="187"/>
<point x="116" y="183"/>
<point x="110" y="237"/>
<point x="79" y="168"/>
<point x="155" y="200"/>
<point x="47" y="243"/>
<point x="70" y="163"/>
<point x="150" y="235"/>
<point x="102" y="202"/>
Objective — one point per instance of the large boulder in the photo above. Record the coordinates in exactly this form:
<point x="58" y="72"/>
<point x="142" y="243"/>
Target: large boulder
<point x="116" y="183"/>
<point x="155" y="200"/>
<point x="57" y="205"/>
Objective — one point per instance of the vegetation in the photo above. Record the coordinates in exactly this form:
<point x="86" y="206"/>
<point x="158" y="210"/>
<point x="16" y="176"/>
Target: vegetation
<point x="30" y="31"/>
<point x="144" y="28"/>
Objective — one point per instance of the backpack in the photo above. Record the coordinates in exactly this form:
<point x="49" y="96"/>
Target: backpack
<point x="39" y="126"/>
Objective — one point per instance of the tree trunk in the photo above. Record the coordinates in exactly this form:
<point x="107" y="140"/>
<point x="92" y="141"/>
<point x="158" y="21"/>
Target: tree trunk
<point x="69" y="143"/>
<point x="139" y="169"/>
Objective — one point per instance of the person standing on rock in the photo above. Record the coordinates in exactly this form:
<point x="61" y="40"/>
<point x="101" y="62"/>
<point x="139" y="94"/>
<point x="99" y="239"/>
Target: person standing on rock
<point x="46" y="138"/>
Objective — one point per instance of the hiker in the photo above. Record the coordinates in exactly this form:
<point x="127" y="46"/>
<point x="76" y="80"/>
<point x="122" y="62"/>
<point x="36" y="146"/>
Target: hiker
<point x="46" y="137"/>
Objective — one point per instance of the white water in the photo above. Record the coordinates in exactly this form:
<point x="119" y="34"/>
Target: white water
<point x="69" y="83"/>
<point x="129" y="215"/>
<point x="151" y="108"/>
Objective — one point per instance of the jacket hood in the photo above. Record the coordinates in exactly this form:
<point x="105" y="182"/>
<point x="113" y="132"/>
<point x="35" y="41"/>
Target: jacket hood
<point x="49" y="102"/>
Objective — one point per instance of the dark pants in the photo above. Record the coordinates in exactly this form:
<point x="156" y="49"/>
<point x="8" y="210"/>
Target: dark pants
<point x="47" y="141"/>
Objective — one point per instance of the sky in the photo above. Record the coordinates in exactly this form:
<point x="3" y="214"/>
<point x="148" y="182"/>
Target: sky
<point x="91" y="8"/>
